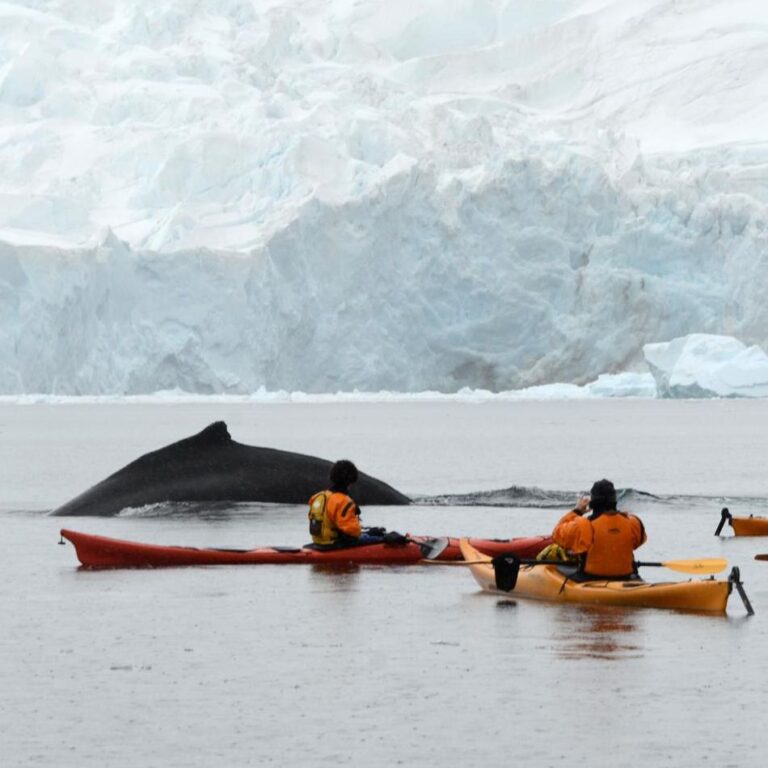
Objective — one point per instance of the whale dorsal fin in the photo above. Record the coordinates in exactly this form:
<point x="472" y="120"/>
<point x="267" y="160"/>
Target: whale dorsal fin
<point x="214" y="434"/>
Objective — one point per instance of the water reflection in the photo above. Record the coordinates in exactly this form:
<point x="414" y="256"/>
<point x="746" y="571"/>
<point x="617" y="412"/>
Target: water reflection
<point x="338" y="576"/>
<point x="597" y="632"/>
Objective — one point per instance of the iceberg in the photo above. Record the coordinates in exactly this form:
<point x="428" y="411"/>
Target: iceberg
<point x="704" y="365"/>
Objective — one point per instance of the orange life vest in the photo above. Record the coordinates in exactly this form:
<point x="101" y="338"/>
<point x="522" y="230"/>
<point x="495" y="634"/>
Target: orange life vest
<point x="331" y="513"/>
<point x="608" y="541"/>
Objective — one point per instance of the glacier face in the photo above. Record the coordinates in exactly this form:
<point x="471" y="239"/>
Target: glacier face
<point x="342" y="195"/>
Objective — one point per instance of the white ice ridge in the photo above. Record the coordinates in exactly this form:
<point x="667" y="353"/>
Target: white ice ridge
<point x="703" y="365"/>
<point x="638" y="385"/>
<point x="325" y="195"/>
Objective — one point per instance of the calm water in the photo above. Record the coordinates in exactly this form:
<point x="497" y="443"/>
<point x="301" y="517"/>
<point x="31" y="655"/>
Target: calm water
<point x="380" y="666"/>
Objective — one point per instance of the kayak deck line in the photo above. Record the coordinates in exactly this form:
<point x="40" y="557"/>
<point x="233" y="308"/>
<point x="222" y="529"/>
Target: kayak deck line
<point x="97" y="552"/>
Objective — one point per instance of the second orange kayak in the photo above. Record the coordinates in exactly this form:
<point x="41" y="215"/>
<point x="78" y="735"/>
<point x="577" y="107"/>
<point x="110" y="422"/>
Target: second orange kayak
<point x="743" y="526"/>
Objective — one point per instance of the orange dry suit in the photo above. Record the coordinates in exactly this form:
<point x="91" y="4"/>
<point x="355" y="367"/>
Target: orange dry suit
<point x="333" y="515"/>
<point x="607" y="541"/>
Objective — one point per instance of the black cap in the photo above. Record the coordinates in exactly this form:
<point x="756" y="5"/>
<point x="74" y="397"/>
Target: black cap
<point x="603" y="494"/>
<point x="343" y="473"/>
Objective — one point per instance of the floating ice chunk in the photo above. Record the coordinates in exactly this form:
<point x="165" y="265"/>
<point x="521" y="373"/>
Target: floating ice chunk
<point x="705" y="365"/>
<point x="627" y="384"/>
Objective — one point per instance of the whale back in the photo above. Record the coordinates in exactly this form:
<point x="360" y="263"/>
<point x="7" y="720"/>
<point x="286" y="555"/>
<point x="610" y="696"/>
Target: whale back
<point x="210" y="466"/>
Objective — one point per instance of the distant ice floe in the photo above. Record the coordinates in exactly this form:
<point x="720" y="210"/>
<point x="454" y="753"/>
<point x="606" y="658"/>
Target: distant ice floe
<point x="641" y="385"/>
<point x="705" y="365"/>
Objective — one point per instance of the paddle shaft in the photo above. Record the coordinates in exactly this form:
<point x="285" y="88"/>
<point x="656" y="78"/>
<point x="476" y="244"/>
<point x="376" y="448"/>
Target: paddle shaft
<point x="705" y="565"/>
<point x="702" y="566"/>
<point x="543" y="562"/>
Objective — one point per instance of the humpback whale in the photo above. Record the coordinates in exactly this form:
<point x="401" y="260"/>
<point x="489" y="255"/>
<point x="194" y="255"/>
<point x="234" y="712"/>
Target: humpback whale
<point x="211" y="466"/>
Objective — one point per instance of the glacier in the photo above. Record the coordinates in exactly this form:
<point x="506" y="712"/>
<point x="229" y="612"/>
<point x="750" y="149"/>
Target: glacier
<point x="296" y="195"/>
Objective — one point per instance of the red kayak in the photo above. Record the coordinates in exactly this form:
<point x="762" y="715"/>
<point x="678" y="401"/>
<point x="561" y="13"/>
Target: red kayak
<point x="103" y="552"/>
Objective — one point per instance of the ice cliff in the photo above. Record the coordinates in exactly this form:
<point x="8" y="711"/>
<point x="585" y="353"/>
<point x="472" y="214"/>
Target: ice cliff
<point x="347" y="194"/>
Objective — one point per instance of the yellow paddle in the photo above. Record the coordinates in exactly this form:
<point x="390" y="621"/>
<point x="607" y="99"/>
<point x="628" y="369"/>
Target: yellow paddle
<point x="703" y="566"/>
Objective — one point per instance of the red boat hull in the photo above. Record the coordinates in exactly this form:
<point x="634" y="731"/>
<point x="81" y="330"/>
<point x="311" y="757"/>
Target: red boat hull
<point x="528" y="546"/>
<point x="103" y="552"/>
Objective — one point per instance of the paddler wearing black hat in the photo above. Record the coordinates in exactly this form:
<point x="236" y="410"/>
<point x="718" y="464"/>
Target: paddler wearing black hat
<point x="604" y="540"/>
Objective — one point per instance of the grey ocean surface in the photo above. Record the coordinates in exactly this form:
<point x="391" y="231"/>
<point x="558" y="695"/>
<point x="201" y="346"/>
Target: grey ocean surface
<point x="296" y="665"/>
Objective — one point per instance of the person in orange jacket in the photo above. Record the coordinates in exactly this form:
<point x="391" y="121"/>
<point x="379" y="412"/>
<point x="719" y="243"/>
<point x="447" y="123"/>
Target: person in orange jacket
<point x="607" y="539"/>
<point x="334" y="516"/>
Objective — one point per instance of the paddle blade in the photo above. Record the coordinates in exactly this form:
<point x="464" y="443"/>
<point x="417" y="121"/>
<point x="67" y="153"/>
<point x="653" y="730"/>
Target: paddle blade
<point x="703" y="566"/>
<point x="433" y="548"/>
<point x="505" y="569"/>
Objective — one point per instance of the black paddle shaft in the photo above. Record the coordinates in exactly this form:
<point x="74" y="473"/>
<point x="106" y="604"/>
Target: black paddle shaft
<point x="725" y="515"/>
<point x="735" y="580"/>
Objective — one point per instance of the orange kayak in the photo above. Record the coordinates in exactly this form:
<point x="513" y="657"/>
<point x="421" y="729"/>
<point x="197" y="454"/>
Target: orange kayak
<point x="548" y="582"/>
<point x="104" y="552"/>
<point x="743" y="526"/>
<point x="750" y="526"/>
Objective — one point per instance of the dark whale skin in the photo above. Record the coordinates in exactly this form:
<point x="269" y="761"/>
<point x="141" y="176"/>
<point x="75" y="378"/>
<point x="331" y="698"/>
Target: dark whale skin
<point x="210" y="466"/>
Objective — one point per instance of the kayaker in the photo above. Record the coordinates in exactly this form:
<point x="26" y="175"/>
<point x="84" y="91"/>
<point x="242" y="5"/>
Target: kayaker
<point x="605" y="541"/>
<point x="334" y="516"/>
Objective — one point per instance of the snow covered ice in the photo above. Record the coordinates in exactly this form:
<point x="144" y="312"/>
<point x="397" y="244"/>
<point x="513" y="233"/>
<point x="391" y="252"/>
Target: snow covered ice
<point x="321" y="196"/>
<point x="708" y="366"/>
